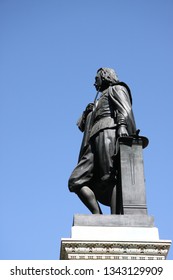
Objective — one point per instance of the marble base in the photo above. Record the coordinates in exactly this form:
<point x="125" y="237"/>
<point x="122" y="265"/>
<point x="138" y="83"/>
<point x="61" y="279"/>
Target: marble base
<point x="115" y="233"/>
<point x="110" y="237"/>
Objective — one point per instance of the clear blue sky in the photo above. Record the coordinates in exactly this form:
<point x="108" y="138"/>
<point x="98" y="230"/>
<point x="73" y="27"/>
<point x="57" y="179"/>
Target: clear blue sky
<point x="49" y="53"/>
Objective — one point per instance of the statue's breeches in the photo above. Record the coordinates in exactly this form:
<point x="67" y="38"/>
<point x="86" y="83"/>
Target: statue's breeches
<point x="96" y="168"/>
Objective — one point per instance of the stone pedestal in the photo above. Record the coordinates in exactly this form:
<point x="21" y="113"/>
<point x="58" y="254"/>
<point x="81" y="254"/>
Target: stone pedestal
<point x="131" y="174"/>
<point x="131" y="235"/>
<point x="114" y="237"/>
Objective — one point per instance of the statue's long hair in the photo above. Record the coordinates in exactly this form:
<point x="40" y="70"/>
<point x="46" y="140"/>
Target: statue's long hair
<point x="108" y="75"/>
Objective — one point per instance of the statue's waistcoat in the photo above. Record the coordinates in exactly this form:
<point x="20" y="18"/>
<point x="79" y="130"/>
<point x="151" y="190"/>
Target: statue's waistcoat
<point x="103" y="114"/>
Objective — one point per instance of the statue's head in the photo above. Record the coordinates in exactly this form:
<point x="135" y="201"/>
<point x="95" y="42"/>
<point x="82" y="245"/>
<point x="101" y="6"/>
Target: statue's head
<point x="104" y="78"/>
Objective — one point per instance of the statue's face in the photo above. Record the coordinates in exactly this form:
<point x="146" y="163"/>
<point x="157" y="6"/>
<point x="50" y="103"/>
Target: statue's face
<point x="98" y="81"/>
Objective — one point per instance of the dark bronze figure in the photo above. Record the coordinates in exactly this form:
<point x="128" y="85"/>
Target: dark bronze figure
<point x="95" y="177"/>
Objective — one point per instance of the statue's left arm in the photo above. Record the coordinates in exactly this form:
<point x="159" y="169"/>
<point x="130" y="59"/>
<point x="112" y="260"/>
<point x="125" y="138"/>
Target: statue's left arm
<point x="122" y="103"/>
<point x="121" y="125"/>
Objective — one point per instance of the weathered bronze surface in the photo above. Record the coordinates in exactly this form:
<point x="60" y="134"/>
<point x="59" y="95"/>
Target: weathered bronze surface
<point x="98" y="175"/>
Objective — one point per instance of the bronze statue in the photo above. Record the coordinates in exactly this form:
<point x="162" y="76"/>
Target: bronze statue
<point x="95" y="177"/>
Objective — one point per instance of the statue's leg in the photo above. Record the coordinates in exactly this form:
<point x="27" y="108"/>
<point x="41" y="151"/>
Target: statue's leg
<point x="87" y="196"/>
<point x="114" y="200"/>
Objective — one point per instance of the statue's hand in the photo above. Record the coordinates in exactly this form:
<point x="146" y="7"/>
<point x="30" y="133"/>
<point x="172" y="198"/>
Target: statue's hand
<point x="82" y="120"/>
<point x="89" y="108"/>
<point x="122" y="131"/>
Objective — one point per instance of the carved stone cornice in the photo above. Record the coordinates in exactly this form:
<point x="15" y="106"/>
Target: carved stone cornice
<point x="108" y="250"/>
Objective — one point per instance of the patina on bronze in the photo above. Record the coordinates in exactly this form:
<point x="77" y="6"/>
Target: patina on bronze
<point x="96" y="176"/>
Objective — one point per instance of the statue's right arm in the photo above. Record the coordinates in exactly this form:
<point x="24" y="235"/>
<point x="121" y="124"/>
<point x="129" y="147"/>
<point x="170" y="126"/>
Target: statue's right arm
<point x="82" y="120"/>
<point x="81" y="123"/>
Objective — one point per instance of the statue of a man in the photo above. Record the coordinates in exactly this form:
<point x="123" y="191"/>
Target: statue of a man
<point x="109" y="117"/>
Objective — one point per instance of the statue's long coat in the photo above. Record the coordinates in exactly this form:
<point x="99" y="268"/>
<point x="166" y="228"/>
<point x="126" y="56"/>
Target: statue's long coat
<point x="96" y="167"/>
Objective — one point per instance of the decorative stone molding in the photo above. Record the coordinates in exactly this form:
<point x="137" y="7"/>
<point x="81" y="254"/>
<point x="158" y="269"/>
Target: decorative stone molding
<point x="101" y="250"/>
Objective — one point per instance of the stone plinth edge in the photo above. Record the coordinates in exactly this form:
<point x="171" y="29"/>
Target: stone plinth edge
<point x="113" y="220"/>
